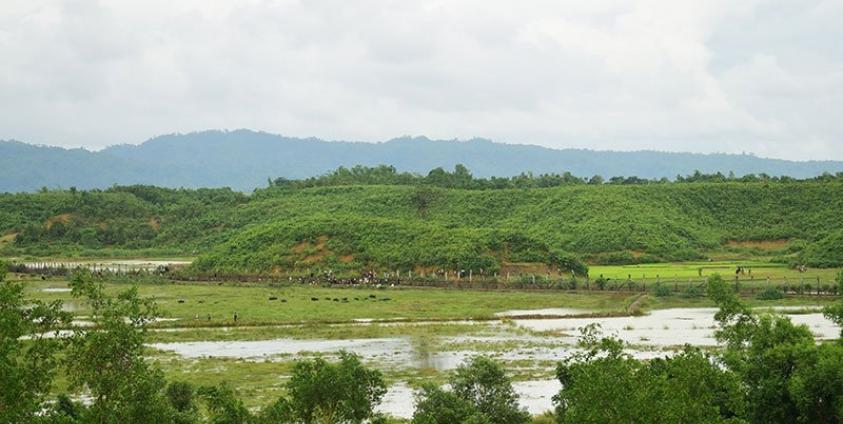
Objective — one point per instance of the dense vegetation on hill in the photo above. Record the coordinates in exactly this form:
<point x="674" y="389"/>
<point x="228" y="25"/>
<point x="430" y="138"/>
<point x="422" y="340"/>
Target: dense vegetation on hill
<point x="205" y="159"/>
<point x="425" y="225"/>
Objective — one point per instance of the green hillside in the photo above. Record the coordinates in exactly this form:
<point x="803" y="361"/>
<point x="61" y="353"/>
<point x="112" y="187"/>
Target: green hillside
<point x="291" y="228"/>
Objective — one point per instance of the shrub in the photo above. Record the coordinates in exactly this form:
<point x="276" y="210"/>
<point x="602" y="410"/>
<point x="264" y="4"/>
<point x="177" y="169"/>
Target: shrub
<point x="346" y="391"/>
<point x="601" y="283"/>
<point x="566" y="262"/>
<point x="181" y="394"/>
<point x="481" y="393"/>
<point x="616" y="258"/>
<point x="661" y="290"/>
<point x="692" y="292"/>
<point x="770" y="293"/>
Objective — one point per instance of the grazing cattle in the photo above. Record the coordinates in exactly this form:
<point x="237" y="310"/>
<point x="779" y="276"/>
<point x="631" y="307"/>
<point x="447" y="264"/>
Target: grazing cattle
<point x="283" y="300"/>
<point x="201" y="301"/>
<point x="371" y="296"/>
<point x="336" y="300"/>
<point x="181" y="300"/>
<point x="315" y="299"/>
<point x="345" y="299"/>
<point x="273" y="298"/>
<point x="356" y="298"/>
<point x="386" y="299"/>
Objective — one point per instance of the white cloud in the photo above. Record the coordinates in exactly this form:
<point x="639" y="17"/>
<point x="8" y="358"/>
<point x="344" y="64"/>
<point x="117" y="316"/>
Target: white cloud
<point x="763" y="76"/>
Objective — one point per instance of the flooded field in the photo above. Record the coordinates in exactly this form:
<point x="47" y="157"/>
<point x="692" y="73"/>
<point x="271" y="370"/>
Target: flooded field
<point x="417" y="336"/>
<point x="532" y="346"/>
<point x="546" y="312"/>
<point x="669" y="327"/>
<point x="56" y="290"/>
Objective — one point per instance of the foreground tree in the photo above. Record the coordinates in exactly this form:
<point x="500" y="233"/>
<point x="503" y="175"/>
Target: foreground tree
<point x="785" y="375"/>
<point x="107" y="359"/>
<point x="182" y="397"/>
<point x="224" y="407"/>
<point x="834" y="311"/>
<point x="603" y="384"/>
<point x="337" y="393"/>
<point x="28" y="349"/>
<point x="481" y="394"/>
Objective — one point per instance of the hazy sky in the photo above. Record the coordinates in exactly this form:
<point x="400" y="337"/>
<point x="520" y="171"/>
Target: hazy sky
<point x="704" y="75"/>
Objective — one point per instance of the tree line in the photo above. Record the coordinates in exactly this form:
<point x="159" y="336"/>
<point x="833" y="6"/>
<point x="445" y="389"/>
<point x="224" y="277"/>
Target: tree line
<point x="461" y="178"/>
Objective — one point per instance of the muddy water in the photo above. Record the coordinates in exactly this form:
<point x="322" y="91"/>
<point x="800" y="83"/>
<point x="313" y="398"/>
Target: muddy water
<point x="391" y="352"/>
<point x="669" y="327"/>
<point x="56" y="290"/>
<point x="651" y="336"/>
<point x="551" y="312"/>
<point x="393" y="349"/>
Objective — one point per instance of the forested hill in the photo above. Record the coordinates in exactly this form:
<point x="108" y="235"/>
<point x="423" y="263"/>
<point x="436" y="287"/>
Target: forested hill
<point x="244" y="160"/>
<point x="424" y="224"/>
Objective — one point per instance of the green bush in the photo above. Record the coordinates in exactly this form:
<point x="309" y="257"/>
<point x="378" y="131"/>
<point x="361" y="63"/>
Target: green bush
<point x="567" y="263"/>
<point x="601" y="283"/>
<point x="770" y="293"/>
<point x="661" y="290"/>
<point x="692" y="292"/>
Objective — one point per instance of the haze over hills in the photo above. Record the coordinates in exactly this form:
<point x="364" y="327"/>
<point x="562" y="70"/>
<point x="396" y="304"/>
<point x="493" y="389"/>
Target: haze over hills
<point x="244" y="159"/>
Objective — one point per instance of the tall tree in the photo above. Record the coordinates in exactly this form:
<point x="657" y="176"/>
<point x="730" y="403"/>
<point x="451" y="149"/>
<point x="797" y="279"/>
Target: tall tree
<point x="28" y="350"/>
<point x="107" y="358"/>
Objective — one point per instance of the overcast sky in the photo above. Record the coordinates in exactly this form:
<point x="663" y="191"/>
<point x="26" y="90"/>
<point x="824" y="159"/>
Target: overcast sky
<point x="704" y="76"/>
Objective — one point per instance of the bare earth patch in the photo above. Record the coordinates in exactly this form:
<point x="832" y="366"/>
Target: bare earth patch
<point x="759" y="244"/>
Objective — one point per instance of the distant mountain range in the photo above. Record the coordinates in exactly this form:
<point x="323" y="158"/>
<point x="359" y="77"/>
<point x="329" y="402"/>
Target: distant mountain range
<point x="245" y="159"/>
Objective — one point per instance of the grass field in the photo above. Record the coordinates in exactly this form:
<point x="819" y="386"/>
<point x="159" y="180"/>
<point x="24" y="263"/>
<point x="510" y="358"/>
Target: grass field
<point x="683" y="270"/>
<point x="252" y="304"/>
<point x="190" y="304"/>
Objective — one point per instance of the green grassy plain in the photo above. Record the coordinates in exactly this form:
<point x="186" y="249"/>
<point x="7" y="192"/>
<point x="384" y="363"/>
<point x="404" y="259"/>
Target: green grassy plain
<point x="761" y="270"/>
<point x="189" y="304"/>
<point x="251" y="302"/>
